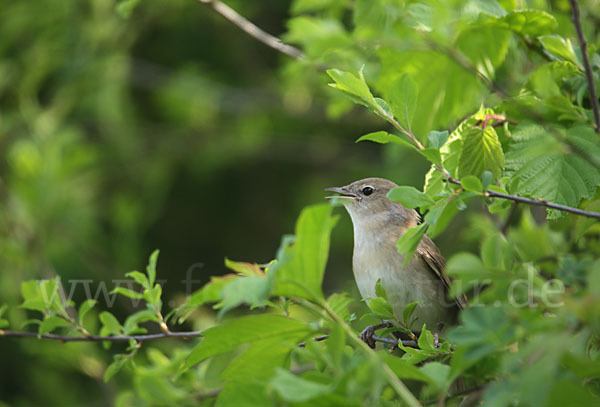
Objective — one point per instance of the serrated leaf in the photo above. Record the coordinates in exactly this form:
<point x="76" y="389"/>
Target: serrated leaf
<point x="403" y="95"/>
<point x="84" y="308"/>
<point x="471" y="183"/>
<point x="410" y="197"/>
<point x="547" y="170"/>
<point x="50" y="323"/>
<point x="481" y="151"/>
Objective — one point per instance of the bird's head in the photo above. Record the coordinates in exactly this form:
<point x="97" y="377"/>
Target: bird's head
<point x="367" y="197"/>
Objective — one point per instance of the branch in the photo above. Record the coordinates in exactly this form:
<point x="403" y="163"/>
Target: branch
<point x="97" y="338"/>
<point x="251" y="29"/>
<point x="586" y="61"/>
<point x="535" y="202"/>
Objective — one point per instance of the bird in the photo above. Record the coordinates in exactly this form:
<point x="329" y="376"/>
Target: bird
<point x="378" y="224"/>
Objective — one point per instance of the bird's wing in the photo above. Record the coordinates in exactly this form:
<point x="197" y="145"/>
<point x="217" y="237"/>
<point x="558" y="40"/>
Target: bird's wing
<point x="436" y="262"/>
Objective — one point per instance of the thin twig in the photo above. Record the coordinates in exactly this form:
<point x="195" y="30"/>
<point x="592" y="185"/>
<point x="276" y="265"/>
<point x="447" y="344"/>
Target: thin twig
<point x="253" y="30"/>
<point x="534" y="202"/>
<point x="97" y="338"/>
<point x="575" y="16"/>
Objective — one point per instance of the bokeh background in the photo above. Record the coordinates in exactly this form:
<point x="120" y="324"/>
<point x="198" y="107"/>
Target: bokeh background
<point x="169" y="128"/>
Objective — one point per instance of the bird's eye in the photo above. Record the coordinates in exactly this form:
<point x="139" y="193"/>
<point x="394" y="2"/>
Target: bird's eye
<point x="367" y="191"/>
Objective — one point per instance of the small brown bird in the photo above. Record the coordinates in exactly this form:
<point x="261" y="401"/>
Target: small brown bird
<point x="378" y="224"/>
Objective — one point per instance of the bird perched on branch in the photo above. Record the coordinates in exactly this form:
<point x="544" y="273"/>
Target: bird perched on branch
<point x="378" y="224"/>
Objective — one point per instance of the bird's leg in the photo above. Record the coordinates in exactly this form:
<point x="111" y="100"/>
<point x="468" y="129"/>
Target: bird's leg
<point x="367" y="334"/>
<point x="436" y="335"/>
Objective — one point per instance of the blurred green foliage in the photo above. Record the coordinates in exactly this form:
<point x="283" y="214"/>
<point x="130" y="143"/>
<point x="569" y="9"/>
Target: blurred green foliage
<point x="131" y="125"/>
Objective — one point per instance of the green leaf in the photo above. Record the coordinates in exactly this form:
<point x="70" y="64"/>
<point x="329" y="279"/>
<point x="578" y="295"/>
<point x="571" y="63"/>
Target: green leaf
<point x="425" y="341"/>
<point x="496" y="253"/>
<point x="151" y="268"/>
<point x="3" y="323"/>
<point x="245" y="269"/>
<point x="433" y="155"/>
<point x="409" y="241"/>
<point x="250" y="393"/>
<point x="446" y="90"/>
<point x="405" y="370"/>
<point x="468" y="271"/>
<point x="486" y="45"/>
<point x="381" y="307"/>
<point x="153" y="296"/>
<point x="547" y="170"/>
<point x="260" y="360"/>
<point x="126" y="7"/>
<point x="127" y="292"/>
<point x="42" y="295"/>
<point x="110" y="324"/>
<point x="379" y="290"/>
<point x="301" y="274"/>
<point x="438" y="374"/>
<point x="253" y="291"/>
<point x="403" y="95"/>
<point x="471" y="183"/>
<point x="436" y="139"/>
<point x="131" y="323"/>
<point x="530" y="22"/>
<point x="383" y="137"/>
<point x="410" y="197"/>
<point x="408" y="311"/>
<point x="229" y="336"/>
<point x="339" y="304"/>
<point x="292" y="388"/>
<point x="481" y="151"/>
<point x="352" y="85"/>
<point x="559" y="48"/>
<point x="117" y="364"/>
<point x="50" y="323"/>
<point x="139" y="278"/>
<point x="84" y="308"/>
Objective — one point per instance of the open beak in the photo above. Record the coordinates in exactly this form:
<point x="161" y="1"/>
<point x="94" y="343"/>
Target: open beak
<point x="343" y="193"/>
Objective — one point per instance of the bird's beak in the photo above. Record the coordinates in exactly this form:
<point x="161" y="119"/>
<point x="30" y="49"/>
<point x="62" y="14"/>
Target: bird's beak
<point x="343" y="193"/>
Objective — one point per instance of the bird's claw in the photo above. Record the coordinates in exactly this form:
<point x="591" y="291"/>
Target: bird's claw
<point x="367" y="334"/>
